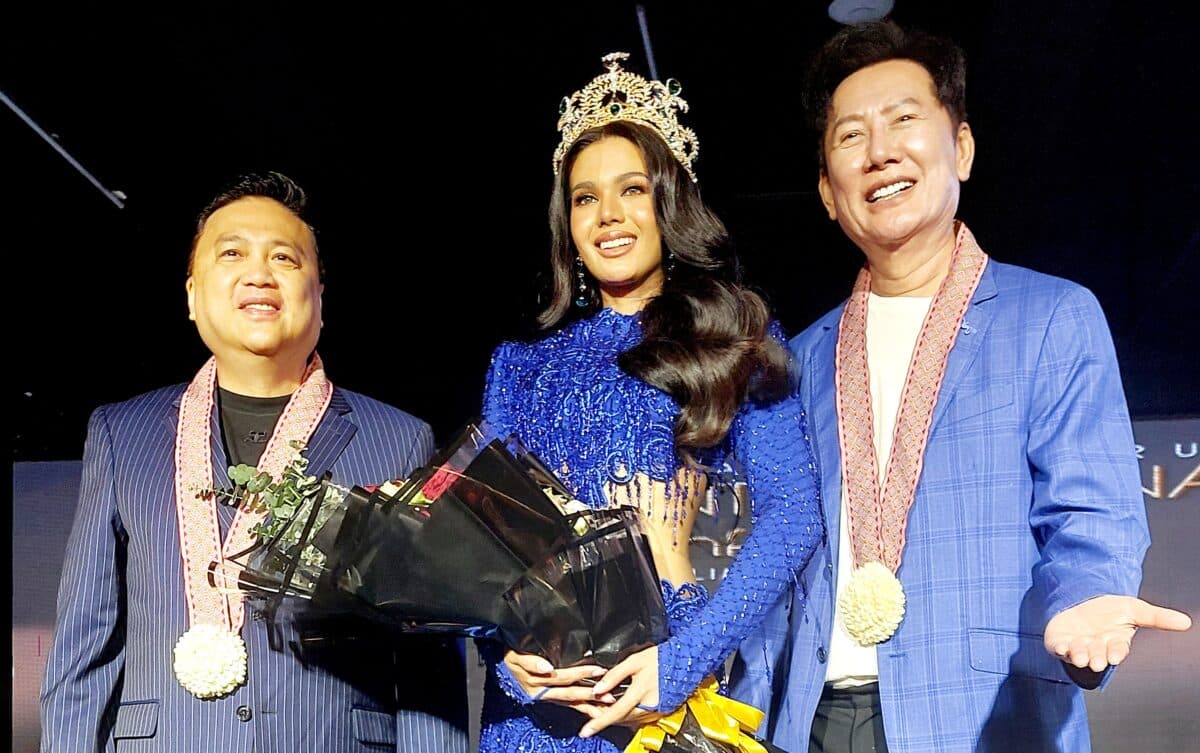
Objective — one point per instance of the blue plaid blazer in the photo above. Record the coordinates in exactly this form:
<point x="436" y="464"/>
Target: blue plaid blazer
<point x="1029" y="502"/>
<point x="109" y="683"/>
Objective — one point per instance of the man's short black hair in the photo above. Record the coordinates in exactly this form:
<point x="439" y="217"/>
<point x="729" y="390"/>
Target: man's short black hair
<point x="862" y="45"/>
<point x="269" y="185"/>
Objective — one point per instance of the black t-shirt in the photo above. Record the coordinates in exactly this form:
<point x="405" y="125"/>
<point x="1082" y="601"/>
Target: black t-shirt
<point x="247" y="423"/>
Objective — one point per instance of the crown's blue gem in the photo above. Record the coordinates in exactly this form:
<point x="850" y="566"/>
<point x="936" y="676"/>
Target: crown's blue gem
<point x="674" y="86"/>
<point x="563" y="105"/>
<point x="614" y="108"/>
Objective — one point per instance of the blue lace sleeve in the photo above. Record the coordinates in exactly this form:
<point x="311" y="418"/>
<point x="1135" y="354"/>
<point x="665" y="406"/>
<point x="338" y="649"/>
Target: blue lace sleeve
<point x="492" y="652"/>
<point x="773" y="446"/>
<point x="496" y="412"/>
<point x="497" y="393"/>
<point x="683" y="603"/>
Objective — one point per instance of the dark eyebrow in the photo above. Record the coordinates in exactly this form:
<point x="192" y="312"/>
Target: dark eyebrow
<point x="619" y="178"/>
<point x="235" y="238"/>
<point x="856" y="116"/>
<point x="901" y="103"/>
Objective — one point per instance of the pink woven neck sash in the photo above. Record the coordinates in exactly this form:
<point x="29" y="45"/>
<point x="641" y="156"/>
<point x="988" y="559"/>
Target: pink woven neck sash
<point x="878" y="521"/>
<point x="199" y="532"/>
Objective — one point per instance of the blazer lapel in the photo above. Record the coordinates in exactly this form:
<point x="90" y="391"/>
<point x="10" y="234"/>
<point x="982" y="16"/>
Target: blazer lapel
<point x="975" y="326"/>
<point x="220" y="465"/>
<point x="331" y="436"/>
<point x="819" y="380"/>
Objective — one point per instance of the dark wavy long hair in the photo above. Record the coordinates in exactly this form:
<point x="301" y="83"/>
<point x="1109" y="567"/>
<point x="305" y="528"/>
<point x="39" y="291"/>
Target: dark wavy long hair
<point x="705" y="340"/>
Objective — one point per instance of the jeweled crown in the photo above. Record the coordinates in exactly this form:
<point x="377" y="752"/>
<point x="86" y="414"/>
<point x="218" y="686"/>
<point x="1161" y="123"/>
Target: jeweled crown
<point x="619" y="94"/>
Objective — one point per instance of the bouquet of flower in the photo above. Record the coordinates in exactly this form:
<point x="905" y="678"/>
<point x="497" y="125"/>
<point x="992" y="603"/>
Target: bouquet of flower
<point x="483" y="541"/>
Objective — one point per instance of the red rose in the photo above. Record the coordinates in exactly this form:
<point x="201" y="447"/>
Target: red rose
<point x="440" y="481"/>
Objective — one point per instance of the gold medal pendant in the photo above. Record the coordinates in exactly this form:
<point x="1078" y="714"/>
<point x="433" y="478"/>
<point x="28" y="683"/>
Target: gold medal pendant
<point x="210" y="661"/>
<point x="872" y="605"/>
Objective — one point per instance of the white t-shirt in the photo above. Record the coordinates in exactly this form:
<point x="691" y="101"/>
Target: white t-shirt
<point x="893" y="324"/>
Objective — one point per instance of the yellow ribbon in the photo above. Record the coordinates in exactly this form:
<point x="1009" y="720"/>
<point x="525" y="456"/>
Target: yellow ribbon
<point x="722" y="719"/>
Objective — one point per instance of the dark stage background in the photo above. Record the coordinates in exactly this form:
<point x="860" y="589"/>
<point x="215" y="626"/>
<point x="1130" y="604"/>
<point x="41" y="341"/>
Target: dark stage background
<point x="424" y="135"/>
<point x="425" y="140"/>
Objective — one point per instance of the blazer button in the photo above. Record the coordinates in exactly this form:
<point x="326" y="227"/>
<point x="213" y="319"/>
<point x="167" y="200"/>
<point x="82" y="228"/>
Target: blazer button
<point x="822" y="655"/>
<point x="244" y="714"/>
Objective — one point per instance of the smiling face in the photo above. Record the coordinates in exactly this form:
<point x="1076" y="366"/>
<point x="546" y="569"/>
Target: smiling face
<point x="613" y="223"/>
<point x="254" y="290"/>
<point x="894" y="161"/>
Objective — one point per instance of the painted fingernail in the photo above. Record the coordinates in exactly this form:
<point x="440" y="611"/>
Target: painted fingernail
<point x="599" y="672"/>
<point x="544" y="666"/>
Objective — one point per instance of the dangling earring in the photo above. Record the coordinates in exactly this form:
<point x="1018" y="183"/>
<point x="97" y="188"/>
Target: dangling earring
<point x="670" y="266"/>
<point x="581" y="299"/>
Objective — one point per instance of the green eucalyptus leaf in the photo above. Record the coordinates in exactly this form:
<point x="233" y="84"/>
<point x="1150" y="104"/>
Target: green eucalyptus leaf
<point x="258" y="483"/>
<point x="288" y="501"/>
<point x="241" y="474"/>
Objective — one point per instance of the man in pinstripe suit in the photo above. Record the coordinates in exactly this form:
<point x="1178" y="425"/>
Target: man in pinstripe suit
<point x="148" y="654"/>
<point x="985" y="516"/>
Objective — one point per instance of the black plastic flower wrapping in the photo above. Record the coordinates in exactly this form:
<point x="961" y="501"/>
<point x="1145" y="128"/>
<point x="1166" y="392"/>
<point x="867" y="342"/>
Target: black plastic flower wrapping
<point x="483" y="541"/>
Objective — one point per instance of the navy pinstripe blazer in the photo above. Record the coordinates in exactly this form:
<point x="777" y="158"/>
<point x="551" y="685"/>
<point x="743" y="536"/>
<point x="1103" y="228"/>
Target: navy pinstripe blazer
<point x="1029" y="502"/>
<point x="109" y="682"/>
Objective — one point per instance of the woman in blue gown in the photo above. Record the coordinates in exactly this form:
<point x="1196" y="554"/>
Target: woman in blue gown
<point x="659" y="366"/>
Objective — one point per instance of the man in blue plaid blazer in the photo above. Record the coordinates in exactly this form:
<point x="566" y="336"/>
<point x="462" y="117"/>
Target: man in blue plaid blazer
<point x="972" y="436"/>
<point x="131" y="587"/>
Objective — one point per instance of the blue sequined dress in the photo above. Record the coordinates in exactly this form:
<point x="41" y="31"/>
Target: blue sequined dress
<point x="599" y="428"/>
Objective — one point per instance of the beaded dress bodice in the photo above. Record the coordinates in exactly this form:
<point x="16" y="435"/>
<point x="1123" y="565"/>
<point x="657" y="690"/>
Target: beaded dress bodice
<point x="603" y="431"/>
